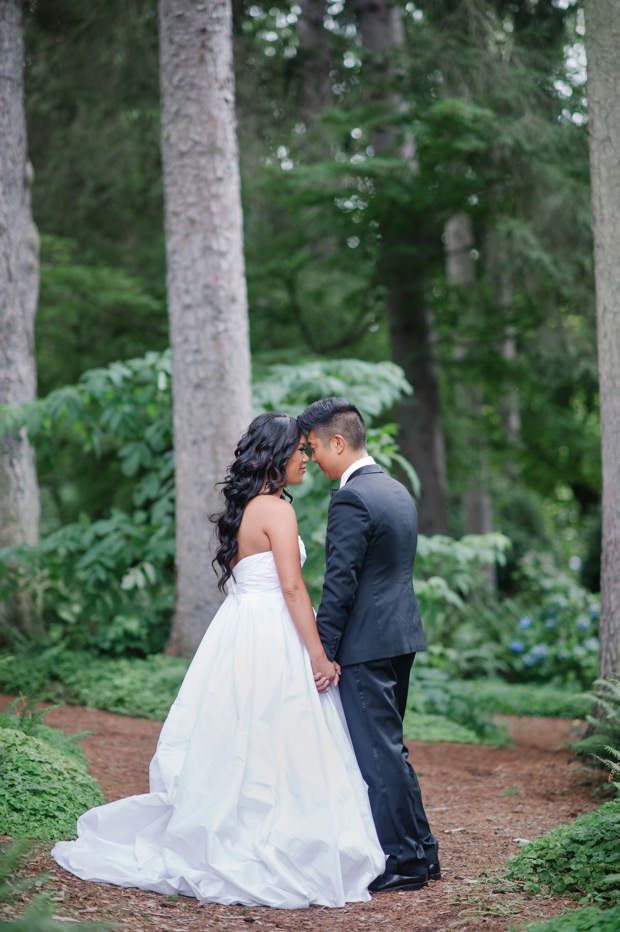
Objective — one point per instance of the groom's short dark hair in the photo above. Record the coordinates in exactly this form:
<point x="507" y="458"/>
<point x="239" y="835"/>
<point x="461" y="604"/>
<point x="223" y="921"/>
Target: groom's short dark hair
<point x="331" y="416"/>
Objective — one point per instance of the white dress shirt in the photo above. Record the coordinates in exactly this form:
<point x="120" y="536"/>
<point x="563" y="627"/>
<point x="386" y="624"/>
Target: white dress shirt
<point x="364" y="461"/>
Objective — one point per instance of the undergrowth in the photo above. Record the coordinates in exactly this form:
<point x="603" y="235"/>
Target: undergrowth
<point x="44" y="785"/>
<point x="584" y="919"/>
<point x="38" y="914"/>
<point x="581" y="859"/>
<point x="42" y="790"/>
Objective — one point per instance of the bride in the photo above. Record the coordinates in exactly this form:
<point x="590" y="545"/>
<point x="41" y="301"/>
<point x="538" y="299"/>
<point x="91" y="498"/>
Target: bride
<point x="255" y="793"/>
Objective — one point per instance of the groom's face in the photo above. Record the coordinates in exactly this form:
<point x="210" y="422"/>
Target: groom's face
<point x="327" y="454"/>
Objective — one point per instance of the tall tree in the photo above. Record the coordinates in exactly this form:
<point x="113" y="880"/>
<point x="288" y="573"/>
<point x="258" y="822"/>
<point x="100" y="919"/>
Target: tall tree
<point x="402" y="265"/>
<point x="603" y="45"/>
<point x="19" y="283"/>
<point x="207" y="301"/>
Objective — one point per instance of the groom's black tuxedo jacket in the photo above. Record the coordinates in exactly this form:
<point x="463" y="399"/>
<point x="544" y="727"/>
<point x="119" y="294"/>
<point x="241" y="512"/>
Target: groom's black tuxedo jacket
<point x="368" y="609"/>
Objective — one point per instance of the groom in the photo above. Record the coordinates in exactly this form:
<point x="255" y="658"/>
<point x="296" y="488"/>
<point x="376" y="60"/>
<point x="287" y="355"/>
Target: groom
<point x="369" y="623"/>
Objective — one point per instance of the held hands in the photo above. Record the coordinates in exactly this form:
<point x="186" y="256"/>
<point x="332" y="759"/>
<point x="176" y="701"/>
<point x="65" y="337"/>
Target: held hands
<point x="326" y="672"/>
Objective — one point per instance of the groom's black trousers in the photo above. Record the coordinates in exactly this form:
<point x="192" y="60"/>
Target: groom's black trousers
<point x="374" y="697"/>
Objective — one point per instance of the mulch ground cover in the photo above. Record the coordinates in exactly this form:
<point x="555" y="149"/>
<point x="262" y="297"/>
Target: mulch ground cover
<point x="482" y="803"/>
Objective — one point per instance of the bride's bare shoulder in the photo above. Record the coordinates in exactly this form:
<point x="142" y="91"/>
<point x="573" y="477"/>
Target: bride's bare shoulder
<point x="267" y="508"/>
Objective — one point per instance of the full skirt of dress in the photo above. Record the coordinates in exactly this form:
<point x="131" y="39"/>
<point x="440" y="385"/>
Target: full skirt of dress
<point x="255" y="794"/>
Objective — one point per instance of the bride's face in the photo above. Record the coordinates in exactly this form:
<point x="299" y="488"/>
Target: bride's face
<point x="296" y="467"/>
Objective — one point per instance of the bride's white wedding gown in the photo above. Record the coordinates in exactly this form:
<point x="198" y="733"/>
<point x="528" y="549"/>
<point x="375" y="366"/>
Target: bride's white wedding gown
<point x="255" y="794"/>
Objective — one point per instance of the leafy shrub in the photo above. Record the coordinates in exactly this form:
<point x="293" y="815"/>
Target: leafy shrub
<point x="553" y="636"/>
<point x="42" y="790"/>
<point x="500" y="697"/>
<point x="604" y="721"/>
<point x="143" y="687"/>
<point x="435" y="694"/>
<point x="582" y="859"/>
<point x="23" y="715"/>
<point x="419" y="726"/>
<point x="108" y="585"/>
<point x="585" y="919"/>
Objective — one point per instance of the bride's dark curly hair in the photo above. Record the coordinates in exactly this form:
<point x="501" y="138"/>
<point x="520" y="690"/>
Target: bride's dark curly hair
<point x="261" y="458"/>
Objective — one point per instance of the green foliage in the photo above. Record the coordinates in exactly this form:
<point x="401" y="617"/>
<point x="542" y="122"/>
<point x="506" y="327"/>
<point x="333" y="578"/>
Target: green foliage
<point x="108" y="584"/>
<point x="544" y="632"/>
<point x="555" y="637"/>
<point x="585" y="919"/>
<point x="142" y="687"/>
<point x="418" y="726"/>
<point x="38" y="915"/>
<point x="23" y="715"/>
<point x="604" y="722"/>
<point x="437" y="694"/>
<point x="42" y="789"/>
<point x="499" y="697"/>
<point x="613" y="763"/>
<point x="582" y="859"/>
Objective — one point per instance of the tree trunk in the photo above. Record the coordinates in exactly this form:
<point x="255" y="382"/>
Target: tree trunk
<point x="312" y="61"/>
<point x="207" y="299"/>
<point x="603" y="50"/>
<point x="411" y="324"/>
<point x="461" y="273"/>
<point x="19" y="287"/>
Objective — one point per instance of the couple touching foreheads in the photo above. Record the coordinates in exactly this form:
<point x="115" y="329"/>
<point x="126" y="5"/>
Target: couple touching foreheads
<point x="281" y="777"/>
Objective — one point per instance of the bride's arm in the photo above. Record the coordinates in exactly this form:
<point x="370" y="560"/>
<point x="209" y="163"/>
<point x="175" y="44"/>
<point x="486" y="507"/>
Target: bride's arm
<point x="281" y="529"/>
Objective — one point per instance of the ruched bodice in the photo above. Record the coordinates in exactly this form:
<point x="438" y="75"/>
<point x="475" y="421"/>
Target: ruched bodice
<point x="258" y="573"/>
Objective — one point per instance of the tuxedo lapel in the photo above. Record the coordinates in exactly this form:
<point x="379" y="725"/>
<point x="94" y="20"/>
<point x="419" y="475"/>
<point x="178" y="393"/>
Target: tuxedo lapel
<point x="363" y="471"/>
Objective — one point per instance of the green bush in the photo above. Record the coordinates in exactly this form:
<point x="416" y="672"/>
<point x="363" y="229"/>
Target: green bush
<point x="434" y="694"/>
<point x="585" y="919"/>
<point x="143" y="687"/>
<point x="437" y="728"/>
<point x="23" y="715"/>
<point x="42" y="790"/>
<point x="582" y="859"/>
<point x="604" y="721"/>
<point x="502" y="698"/>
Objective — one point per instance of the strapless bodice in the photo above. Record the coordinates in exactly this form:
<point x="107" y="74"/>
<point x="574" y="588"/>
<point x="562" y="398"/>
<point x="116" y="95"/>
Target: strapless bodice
<point x="258" y="573"/>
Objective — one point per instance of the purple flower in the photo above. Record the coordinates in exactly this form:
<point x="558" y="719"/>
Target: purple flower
<point x="583" y="623"/>
<point x="550" y="623"/>
<point x="525" y="622"/>
<point x="540" y="651"/>
<point x="517" y="647"/>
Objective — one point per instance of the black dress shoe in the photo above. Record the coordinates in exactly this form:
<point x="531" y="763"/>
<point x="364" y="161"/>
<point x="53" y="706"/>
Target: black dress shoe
<point x="398" y="882"/>
<point x="434" y="871"/>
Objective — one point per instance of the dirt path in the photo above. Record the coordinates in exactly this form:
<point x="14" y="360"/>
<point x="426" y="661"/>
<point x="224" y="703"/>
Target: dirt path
<point x="479" y="801"/>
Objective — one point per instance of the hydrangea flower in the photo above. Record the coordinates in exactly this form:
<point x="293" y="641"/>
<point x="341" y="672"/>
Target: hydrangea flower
<point x="528" y="660"/>
<point x="550" y="623"/>
<point x="525" y="622"/>
<point x="540" y="651"/>
<point x="591" y="644"/>
<point x="583" y="623"/>
<point x="517" y="647"/>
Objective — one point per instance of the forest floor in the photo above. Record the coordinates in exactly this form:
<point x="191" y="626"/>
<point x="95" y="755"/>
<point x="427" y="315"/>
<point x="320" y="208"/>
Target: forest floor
<point x="482" y="803"/>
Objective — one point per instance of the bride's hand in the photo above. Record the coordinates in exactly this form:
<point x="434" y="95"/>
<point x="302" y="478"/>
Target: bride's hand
<point x="325" y="672"/>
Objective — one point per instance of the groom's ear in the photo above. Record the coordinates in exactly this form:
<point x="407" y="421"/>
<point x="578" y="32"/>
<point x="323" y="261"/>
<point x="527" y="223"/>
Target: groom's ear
<point x="338" y="443"/>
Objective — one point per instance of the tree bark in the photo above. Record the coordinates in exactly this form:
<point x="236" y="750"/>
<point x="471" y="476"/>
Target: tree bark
<point x="401" y="268"/>
<point x="207" y="300"/>
<point x="19" y="288"/>
<point x="312" y="61"/>
<point x="603" y="51"/>
<point x="461" y="273"/>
